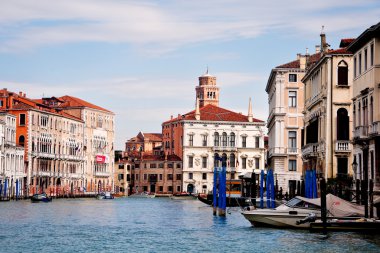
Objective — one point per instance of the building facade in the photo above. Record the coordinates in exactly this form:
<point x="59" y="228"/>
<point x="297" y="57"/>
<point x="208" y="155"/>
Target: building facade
<point x="12" y="170"/>
<point x="285" y="121"/>
<point x="366" y="104"/>
<point x="198" y="137"/>
<point x="122" y="176"/>
<point x="149" y="143"/>
<point x="328" y="112"/>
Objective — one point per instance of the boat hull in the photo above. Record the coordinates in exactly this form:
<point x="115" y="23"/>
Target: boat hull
<point x="276" y="220"/>
<point x="230" y="201"/>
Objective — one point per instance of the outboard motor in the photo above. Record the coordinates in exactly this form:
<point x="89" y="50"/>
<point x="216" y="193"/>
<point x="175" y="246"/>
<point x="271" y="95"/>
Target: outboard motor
<point x="310" y="218"/>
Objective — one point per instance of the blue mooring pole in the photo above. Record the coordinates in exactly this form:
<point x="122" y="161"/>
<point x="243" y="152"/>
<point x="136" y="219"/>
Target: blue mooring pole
<point x="214" y="191"/>
<point x="222" y="192"/>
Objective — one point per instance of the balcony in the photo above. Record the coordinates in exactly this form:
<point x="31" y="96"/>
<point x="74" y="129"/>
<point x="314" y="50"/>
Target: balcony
<point x="102" y="174"/>
<point x="361" y="132"/>
<point x="292" y="151"/>
<point x="343" y="147"/>
<point x="311" y="150"/>
<point x="374" y="128"/>
<point x="224" y="149"/>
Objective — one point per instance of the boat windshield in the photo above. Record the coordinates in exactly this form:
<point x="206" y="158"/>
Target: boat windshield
<point x="298" y="203"/>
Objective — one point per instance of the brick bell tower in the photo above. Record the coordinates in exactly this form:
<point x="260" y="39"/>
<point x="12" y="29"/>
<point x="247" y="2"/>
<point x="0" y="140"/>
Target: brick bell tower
<point x="207" y="92"/>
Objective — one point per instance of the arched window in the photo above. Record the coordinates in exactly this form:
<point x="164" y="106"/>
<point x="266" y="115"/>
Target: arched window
<point x="343" y="124"/>
<point x="216" y="139"/>
<point x="232" y="140"/>
<point x="224" y="139"/>
<point x="216" y="160"/>
<point x="371" y="110"/>
<point x="224" y="160"/>
<point x="21" y="140"/>
<point x="342" y="73"/>
<point x="232" y="161"/>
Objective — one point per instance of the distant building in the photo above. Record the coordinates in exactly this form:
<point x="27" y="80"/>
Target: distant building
<point x="122" y="176"/>
<point x="209" y="131"/>
<point x="328" y="112"/>
<point x="285" y="121"/>
<point x="149" y="143"/>
<point x="160" y="174"/>
<point x="366" y="104"/>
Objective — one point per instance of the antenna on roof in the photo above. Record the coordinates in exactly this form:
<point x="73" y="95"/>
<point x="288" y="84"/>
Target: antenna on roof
<point x="207" y="70"/>
<point x="323" y="29"/>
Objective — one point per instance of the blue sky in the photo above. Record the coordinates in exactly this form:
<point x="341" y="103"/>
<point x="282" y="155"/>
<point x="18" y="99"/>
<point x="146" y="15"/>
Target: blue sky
<point x="142" y="59"/>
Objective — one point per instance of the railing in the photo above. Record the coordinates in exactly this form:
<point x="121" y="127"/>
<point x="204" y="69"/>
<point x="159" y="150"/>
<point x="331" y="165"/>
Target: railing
<point x="222" y="148"/>
<point x="276" y="151"/>
<point x="292" y="151"/>
<point x="374" y="129"/>
<point x="310" y="149"/>
<point x="342" y="146"/>
<point x="102" y="174"/>
<point x="361" y="132"/>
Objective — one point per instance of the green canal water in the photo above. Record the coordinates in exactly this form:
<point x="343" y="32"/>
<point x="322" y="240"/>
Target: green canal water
<point x="153" y="225"/>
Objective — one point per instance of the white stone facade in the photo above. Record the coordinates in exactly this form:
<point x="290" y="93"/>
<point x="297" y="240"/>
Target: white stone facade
<point x="244" y="141"/>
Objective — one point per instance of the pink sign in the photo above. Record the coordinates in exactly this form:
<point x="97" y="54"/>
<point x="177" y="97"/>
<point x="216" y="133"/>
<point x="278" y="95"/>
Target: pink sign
<point x="100" y="159"/>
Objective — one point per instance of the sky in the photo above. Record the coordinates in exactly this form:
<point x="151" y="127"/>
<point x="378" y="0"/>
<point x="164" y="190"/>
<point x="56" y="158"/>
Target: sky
<point x="142" y="59"/>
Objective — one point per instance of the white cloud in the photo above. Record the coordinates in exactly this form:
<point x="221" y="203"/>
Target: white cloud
<point x="161" y="27"/>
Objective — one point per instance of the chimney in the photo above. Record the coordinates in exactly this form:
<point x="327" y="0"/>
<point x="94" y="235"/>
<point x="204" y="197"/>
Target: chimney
<point x="24" y="95"/>
<point x="298" y="56"/>
<point x="179" y="116"/>
<point x="20" y="93"/>
<point x="303" y="61"/>
<point x="197" y="111"/>
<point x="250" y="116"/>
<point x="317" y="49"/>
<point x="324" y="44"/>
<point x="171" y="117"/>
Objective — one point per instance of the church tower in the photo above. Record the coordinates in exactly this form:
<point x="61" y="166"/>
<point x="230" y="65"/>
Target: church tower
<point x="207" y="92"/>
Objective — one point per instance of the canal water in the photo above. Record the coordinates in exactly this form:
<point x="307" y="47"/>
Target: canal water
<point x="153" y="225"/>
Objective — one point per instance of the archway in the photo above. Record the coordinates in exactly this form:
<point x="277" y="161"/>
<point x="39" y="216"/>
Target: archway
<point x="190" y="188"/>
<point x="99" y="186"/>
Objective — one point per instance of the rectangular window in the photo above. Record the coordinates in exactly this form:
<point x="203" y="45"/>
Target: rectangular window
<point x="160" y="165"/>
<point x="178" y="165"/>
<point x="292" y="141"/>
<point x="137" y="177"/>
<point x="360" y="64"/>
<point x="257" y="163"/>
<point x="355" y="73"/>
<point x="170" y="176"/>
<point x="22" y="119"/>
<point x="178" y="188"/>
<point x="121" y="176"/>
<point x="179" y="177"/>
<point x="204" y="140"/>
<point x="204" y="162"/>
<point x="121" y="166"/>
<point x="170" y="188"/>
<point x="293" y="78"/>
<point x="160" y="177"/>
<point x="161" y="189"/>
<point x="292" y="99"/>
<point x="145" y="177"/>
<point x="257" y="142"/>
<point x="191" y="140"/>
<point x="244" y="163"/>
<point x="292" y="165"/>
<point x="372" y="54"/>
<point x="365" y="59"/>
<point x="170" y="165"/>
<point x="190" y="175"/>
<point x="342" y="166"/>
<point x="191" y="161"/>
<point x="204" y="176"/>
<point x="244" y="141"/>
<point x="153" y="165"/>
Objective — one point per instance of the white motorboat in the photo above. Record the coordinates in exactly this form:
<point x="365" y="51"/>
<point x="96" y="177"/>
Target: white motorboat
<point x="298" y="211"/>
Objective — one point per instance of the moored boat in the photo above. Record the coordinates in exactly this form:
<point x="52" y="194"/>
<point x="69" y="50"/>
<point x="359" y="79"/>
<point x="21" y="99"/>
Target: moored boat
<point x="231" y="201"/>
<point x="40" y="198"/>
<point x="183" y="196"/>
<point x="299" y="212"/>
<point x="142" y="195"/>
<point x="104" y="195"/>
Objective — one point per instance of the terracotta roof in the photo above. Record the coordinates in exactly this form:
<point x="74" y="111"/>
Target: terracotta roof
<point x="172" y="158"/>
<point x="339" y="51"/>
<point x="71" y="101"/>
<point x="364" y="37"/>
<point x="214" y="113"/>
<point x="346" y="42"/>
<point x="153" y="136"/>
<point x="296" y="64"/>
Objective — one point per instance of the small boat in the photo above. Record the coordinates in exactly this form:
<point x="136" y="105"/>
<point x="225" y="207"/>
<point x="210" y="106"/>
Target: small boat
<point x="299" y="212"/>
<point x="104" y="195"/>
<point x="40" y="198"/>
<point x="231" y="201"/>
<point x="142" y="195"/>
<point x="183" y="196"/>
